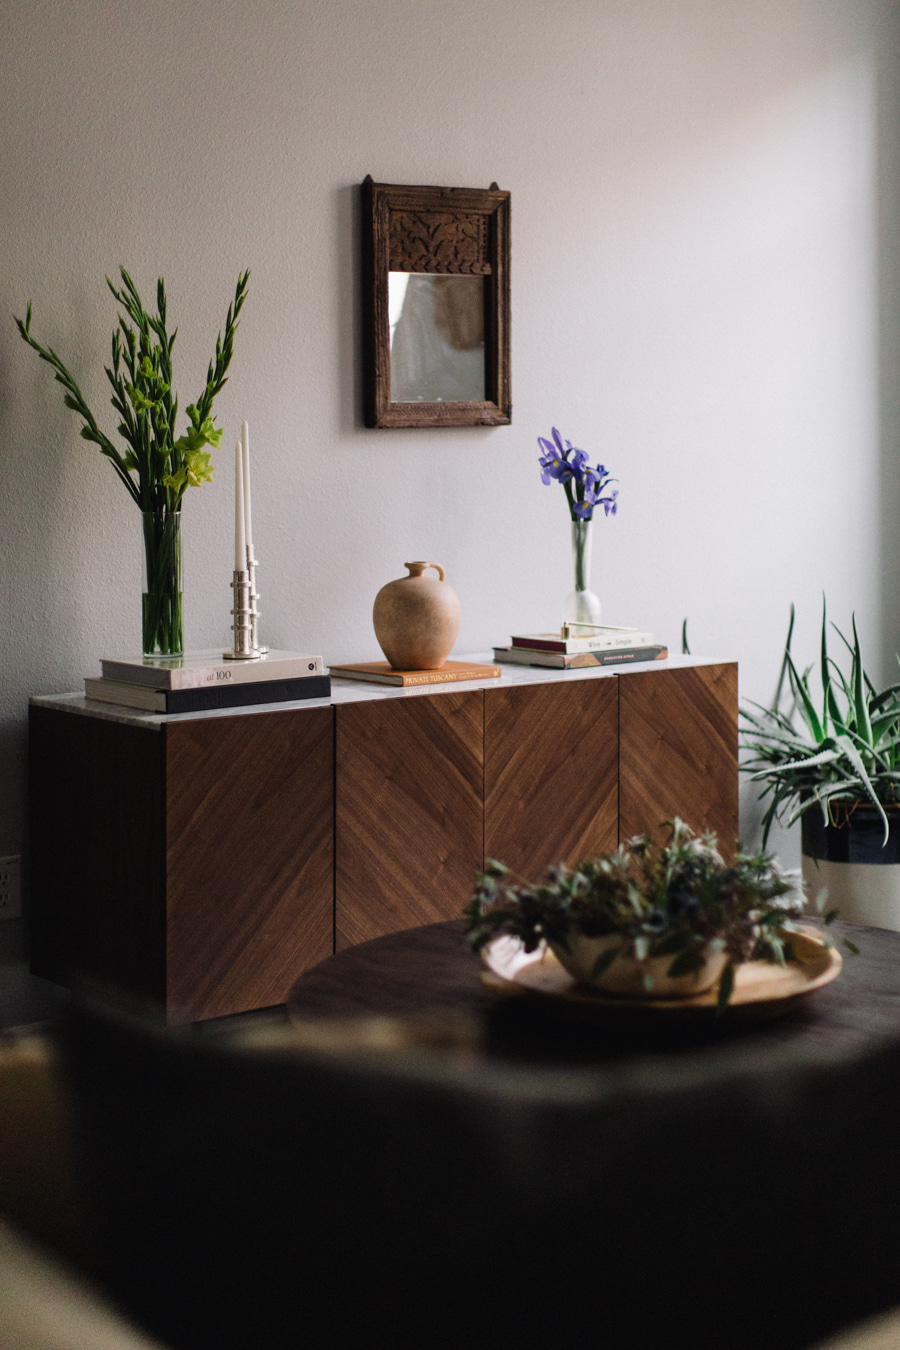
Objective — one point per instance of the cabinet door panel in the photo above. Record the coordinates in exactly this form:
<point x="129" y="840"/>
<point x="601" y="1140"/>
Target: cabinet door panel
<point x="409" y="824"/>
<point x="678" y="750"/>
<point x="550" y="773"/>
<point x="97" y="878"/>
<point x="249" y="857"/>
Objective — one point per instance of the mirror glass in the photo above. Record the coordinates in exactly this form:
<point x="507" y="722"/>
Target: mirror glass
<point x="436" y="337"/>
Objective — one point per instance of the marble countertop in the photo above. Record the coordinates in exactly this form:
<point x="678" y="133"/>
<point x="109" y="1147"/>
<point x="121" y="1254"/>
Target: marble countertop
<point x="356" y="691"/>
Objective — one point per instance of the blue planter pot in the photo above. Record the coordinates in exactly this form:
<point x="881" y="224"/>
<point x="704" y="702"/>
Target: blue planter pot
<point x="851" y="860"/>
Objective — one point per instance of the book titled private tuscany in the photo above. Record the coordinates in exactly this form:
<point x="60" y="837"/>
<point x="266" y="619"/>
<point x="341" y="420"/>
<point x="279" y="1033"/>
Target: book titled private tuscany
<point x="380" y="672"/>
<point x="198" y="670"/>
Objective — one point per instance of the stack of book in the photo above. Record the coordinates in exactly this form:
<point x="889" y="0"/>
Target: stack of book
<point x="200" y="681"/>
<point x="605" y="647"/>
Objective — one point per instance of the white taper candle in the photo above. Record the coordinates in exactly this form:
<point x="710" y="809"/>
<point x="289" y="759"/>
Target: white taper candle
<point x="245" y="459"/>
<point x="240" y="538"/>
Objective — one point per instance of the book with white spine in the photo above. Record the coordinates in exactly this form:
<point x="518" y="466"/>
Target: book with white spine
<point x="206" y="697"/>
<point x="196" y="670"/>
<point x="603" y="640"/>
<point x="608" y="656"/>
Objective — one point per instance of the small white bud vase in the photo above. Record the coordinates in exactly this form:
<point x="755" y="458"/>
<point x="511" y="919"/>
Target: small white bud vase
<point x="417" y="619"/>
<point x="582" y="605"/>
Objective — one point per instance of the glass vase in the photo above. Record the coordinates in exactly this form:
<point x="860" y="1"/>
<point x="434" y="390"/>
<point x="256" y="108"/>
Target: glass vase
<point x="582" y="605"/>
<point x="162" y="614"/>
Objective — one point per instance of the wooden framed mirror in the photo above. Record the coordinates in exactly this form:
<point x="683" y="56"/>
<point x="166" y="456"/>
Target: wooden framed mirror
<point x="435" y="306"/>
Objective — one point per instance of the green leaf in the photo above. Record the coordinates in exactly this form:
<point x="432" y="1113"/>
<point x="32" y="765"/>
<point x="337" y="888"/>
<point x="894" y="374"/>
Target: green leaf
<point x="863" y="725"/>
<point x="801" y="692"/>
<point x="830" y="703"/>
<point x="726" y="988"/>
<point x="688" y="963"/>
<point x="604" y="961"/>
<point x="781" y="674"/>
<point x="804" y="762"/>
<point x="856" y="760"/>
<point x="879" y="700"/>
<point x="671" y="945"/>
<point x="776" y="946"/>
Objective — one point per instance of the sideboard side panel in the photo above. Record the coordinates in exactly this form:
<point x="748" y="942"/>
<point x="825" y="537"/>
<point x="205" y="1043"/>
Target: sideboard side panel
<point x="409" y="818"/>
<point x="249" y="857"/>
<point x="551" y="773"/>
<point x="678" y="750"/>
<point x="97" y="822"/>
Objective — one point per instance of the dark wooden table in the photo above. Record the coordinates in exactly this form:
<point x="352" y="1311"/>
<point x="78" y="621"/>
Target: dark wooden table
<point x="633" y="1160"/>
<point x="433" y="969"/>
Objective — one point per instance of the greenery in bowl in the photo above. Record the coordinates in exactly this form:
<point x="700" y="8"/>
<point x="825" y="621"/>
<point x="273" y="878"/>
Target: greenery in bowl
<point x="836" y="750"/>
<point x="677" y="900"/>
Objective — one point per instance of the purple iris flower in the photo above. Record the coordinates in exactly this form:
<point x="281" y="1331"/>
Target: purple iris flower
<point x="555" y="460"/>
<point x="584" y="486"/>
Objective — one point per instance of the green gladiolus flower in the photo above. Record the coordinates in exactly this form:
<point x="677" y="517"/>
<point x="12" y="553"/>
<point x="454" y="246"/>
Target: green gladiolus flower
<point x="156" y="466"/>
<point x="198" y="466"/>
<point x="140" y="402"/>
<point x="194" y="439"/>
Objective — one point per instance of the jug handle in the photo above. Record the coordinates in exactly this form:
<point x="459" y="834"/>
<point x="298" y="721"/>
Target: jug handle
<point x="417" y="568"/>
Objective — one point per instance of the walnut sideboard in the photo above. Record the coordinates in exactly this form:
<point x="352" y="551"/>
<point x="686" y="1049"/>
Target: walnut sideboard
<point x="202" y="861"/>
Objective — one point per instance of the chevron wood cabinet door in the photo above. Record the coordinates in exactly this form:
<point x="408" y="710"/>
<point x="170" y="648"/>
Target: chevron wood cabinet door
<point x="550" y="773"/>
<point x="678" y="750"/>
<point x="408" y="811"/>
<point x="220" y="856"/>
<point x="249" y="852"/>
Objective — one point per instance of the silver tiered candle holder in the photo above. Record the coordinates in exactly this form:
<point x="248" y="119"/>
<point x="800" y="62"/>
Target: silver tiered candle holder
<point x="245" y="612"/>
<point x="252" y="564"/>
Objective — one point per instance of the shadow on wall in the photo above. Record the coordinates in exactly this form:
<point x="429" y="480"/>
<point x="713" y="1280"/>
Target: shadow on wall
<point x="888" y="283"/>
<point x="14" y="759"/>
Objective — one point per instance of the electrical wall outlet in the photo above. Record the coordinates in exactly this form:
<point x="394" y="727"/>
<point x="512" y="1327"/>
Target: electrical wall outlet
<point x="11" y="887"/>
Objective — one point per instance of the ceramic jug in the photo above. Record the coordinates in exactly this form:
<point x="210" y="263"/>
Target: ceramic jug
<point x="417" y="619"/>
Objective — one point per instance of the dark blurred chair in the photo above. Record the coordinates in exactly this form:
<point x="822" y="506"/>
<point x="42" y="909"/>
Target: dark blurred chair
<point x="371" y="1189"/>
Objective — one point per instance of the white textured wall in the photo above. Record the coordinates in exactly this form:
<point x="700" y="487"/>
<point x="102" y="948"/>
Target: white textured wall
<point x="704" y="297"/>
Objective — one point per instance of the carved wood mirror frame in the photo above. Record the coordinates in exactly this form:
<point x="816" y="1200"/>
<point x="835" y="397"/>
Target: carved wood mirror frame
<point x="440" y="232"/>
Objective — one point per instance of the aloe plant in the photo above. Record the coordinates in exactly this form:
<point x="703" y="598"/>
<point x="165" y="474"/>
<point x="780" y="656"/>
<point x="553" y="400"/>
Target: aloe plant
<point x="843" y="748"/>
